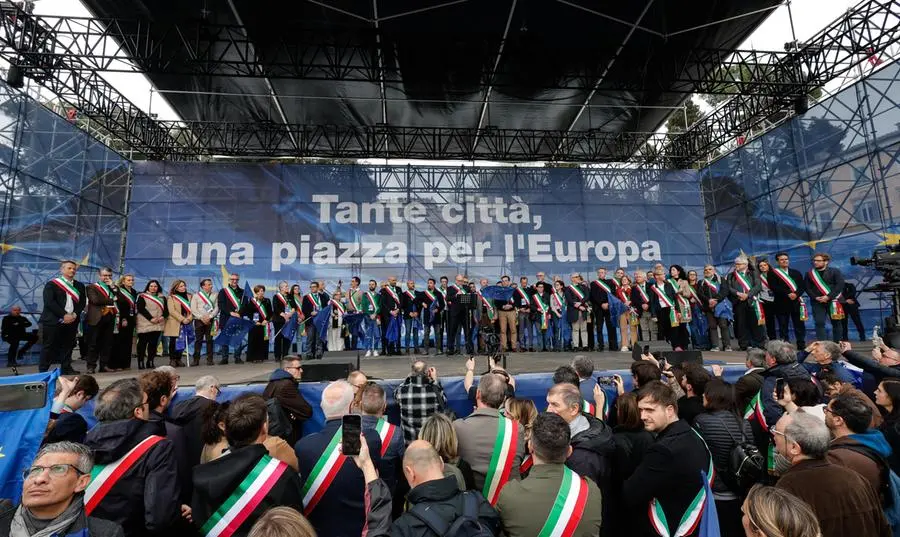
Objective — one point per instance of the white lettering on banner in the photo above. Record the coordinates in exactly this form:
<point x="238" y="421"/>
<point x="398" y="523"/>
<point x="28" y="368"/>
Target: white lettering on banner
<point x="241" y="254"/>
<point x="437" y="253"/>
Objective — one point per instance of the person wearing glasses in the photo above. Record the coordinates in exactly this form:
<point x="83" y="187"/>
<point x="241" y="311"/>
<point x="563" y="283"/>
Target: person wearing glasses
<point x="229" y="302"/>
<point x="749" y="317"/>
<point x="53" y="496"/>
<point x="282" y="386"/>
<point x="825" y="287"/>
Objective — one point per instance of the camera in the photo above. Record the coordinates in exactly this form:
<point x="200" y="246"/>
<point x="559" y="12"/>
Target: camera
<point x="885" y="260"/>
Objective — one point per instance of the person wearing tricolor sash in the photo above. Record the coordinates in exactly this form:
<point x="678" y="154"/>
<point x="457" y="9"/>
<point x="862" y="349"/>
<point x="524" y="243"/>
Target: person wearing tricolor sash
<point x="578" y="310"/>
<point x="431" y="306"/>
<point x="152" y="313"/>
<point x="749" y="316"/>
<point x="206" y="318"/>
<point x="559" y="323"/>
<point x="713" y="291"/>
<point x="335" y="332"/>
<point x="390" y="309"/>
<point x="333" y="486"/>
<point x="313" y="303"/>
<point x="766" y="296"/>
<point x="373" y="406"/>
<point x="825" y="286"/>
<point x="672" y="326"/>
<point x="541" y="305"/>
<point x="229" y="302"/>
<point x="673" y="495"/>
<point x="371" y="307"/>
<point x="412" y="322"/>
<point x="491" y="444"/>
<point x="282" y="310"/>
<point x="233" y="491"/>
<point x="259" y="310"/>
<point x="554" y="500"/>
<point x="458" y="316"/>
<point x="522" y="299"/>
<point x="101" y="317"/>
<point x="354" y="305"/>
<point x="180" y="316"/>
<point x="126" y="302"/>
<point x="64" y="299"/>
<point x="600" y="291"/>
<point x="788" y="288"/>
<point x="640" y="301"/>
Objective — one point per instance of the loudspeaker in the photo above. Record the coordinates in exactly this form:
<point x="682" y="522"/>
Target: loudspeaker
<point x="801" y="105"/>
<point x="680" y="357"/>
<point x="325" y="372"/>
<point x="15" y="78"/>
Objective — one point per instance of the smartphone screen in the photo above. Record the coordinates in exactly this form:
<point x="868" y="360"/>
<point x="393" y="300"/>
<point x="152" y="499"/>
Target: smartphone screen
<point x="351" y="429"/>
<point x="779" y="388"/>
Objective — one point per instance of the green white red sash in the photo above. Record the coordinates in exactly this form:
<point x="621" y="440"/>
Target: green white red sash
<point x="712" y="285"/>
<point x="263" y="317"/>
<point x="691" y="518"/>
<point x="523" y="295"/>
<point x="526" y="465"/>
<point x="386" y="431"/>
<point x="694" y="293"/>
<point x="487" y="306"/>
<point x="505" y="445"/>
<point x="338" y="307"/>
<point x="785" y="276"/>
<point x="281" y="299"/>
<point x="156" y="300"/>
<point x="666" y="302"/>
<point x="372" y="300"/>
<point x="206" y="299"/>
<point x="588" y="408"/>
<point x="643" y="293"/>
<point x="393" y="294"/>
<point x="430" y="295"/>
<point x="353" y="303"/>
<point x="232" y="297"/>
<point x="754" y="302"/>
<point x="764" y="280"/>
<point x="68" y="288"/>
<point x="577" y="292"/>
<point x="543" y="308"/>
<point x="835" y="308"/>
<point x="804" y="313"/>
<point x="323" y="473"/>
<point x="603" y="285"/>
<point x="568" y="507"/>
<point x="104" y="289"/>
<point x="684" y="305"/>
<point x="249" y="493"/>
<point x="559" y="301"/>
<point x="126" y="294"/>
<point x="105" y="476"/>
<point x="754" y="411"/>
<point x="184" y="303"/>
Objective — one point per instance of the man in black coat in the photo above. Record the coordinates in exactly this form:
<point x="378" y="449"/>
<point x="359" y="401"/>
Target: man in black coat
<point x="432" y="306"/>
<point x="122" y="410"/>
<point x="229" y="302"/>
<point x="788" y="286"/>
<point x="743" y="288"/>
<point x="283" y="386"/>
<point x="64" y="300"/>
<point x="601" y="288"/>
<point x="390" y="309"/>
<point x="851" y="308"/>
<point x="159" y="386"/>
<point x="189" y="414"/>
<point x="666" y="487"/>
<point x="221" y="484"/>
<point x="458" y="316"/>
<point x="825" y="286"/>
<point x="313" y="302"/>
<point x="12" y="331"/>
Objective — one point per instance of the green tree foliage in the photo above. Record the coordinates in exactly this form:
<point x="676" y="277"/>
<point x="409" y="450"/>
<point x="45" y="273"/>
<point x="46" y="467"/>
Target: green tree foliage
<point x="691" y="111"/>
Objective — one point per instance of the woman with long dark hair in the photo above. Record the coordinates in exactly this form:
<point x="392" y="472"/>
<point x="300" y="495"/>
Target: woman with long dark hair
<point x="887" y="397"/>
<point x="152" y="313"/>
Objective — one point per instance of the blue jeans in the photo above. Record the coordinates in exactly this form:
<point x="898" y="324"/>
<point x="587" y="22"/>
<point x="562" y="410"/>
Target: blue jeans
<point x="540" y="337"/>
<point x="526" y="340"/>
<point x="373" y="334"/>
<point x="411" y="327"/>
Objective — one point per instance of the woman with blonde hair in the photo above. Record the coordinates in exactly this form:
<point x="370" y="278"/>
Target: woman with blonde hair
<point x="772" y="512"/>
<point x="282" y="522"/>
<point x="438" y="431"/>
<point x="628" y="321"/>
<point x="179" y="306"/>
<point x="522" y="410"/>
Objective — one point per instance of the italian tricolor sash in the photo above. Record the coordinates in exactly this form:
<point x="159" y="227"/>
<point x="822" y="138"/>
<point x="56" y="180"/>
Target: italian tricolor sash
<point x="643" y="293"/>
<point x="691" y="518"/>
<point x="487" y="306"/>
<point x="232" y="297"/>
<point x="556" y="302"/>
<point x="764" y="280"/>
<point x="742" y="279"/>
<point x="526" y="465"/>
<point x="393" y="294"/>
<point x="754" y="302"/>
<point x="543" y="308"/>
<point x="665" y="302"/>
<point x="69" y="288"/>
<point x="410" y="294"/>
<point x="835" y="309"/>
<point x="281" y="299"/>
<point x="245" y="498"/>
<point x="430" y="295"/>
<point x="522" y="294"/>
<point x="588" y="408"/>
<point x="314" y="298"/>
<point x="338" y="307"/>
<point x="263" y="316"/>
<point x="785" y="276"/>
<point x="207" y="300"/>
<point x="104" y="290"/>
<point x="505" y="446"/>
<point x="353" y="303"/>
<point x="685" y="306"/>
<point x="603" y="286"/>
<point x="568" y="508"/>
<point x="386" y="431"/>
<point x="323" y="473"/>
<point x="105" y="477"/>
<point x="156" y="300"/>
<point x="713" y="286"/>
<point x="126" y="294"/>
<point x="578" y="292"/>
<point x="754" y="411"/>
<point x="184" y="303"/>
<point x="373" y="300"/>
<point x="804" y="313"/>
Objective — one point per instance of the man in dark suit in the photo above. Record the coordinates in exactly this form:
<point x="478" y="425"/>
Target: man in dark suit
<point x="390" y="309"/>
<point x="458" y="316"/>
<point x="577" y="311"/>
<point x="431" y="316"/>
<point x="102" y="314"/>
<point x="825" y="286"/>
<point x="229" y="302"/>
<point x="64" y="300"/>
<point x="788" y="287"/>
<point x="743" y="288"/>
<point x="313" y="303"/>
<point x="851" y="308"/>
<point x="13" y="332"/>
<point x="667" y="488"/>
<point x="601" y="288"/>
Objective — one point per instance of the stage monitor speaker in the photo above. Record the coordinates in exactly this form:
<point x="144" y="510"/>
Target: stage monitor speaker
<point x="325" y="372"/>
<point x="801" y="105"/>
<point x="680" y="357"/>
<point x="15" y="77"/>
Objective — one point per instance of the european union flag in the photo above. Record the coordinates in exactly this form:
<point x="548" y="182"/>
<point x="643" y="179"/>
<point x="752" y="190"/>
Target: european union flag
<point x="322" y="320"/>
<point x="724" y="310"/>
<point x="248" y="293"/>
<point x="393" y="330"/>
<point x="709" y="523"/>
<point x="497" y="292"/>
<point x="23" y="431"/>
<point x="616" y="307"/>
<point x="290" y="328"/>
<point x="234" y="332"/>
<point x="185" y="337"/>
<point x="355" y="323"/>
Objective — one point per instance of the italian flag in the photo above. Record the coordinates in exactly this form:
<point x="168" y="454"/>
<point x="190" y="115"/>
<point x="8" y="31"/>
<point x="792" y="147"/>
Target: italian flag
<point x="568" y="508"/>
<point x="694" y="513"/>
<point x="105" y="476"/>
<point x="754" y="411"/>
<point x="502" y="459"/>
<point x="245" y="498"/>
<point x="323" y="473"/>
<point x="386" y="431"/>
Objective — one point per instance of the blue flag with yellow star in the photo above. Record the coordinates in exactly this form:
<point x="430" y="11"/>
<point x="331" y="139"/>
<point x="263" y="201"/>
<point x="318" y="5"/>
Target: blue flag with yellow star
<point x="22" y="430"/>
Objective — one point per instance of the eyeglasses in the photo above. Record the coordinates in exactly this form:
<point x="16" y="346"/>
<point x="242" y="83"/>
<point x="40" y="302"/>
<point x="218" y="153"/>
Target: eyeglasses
<point x="55" y="470"/>
<point x="773" y="430"/>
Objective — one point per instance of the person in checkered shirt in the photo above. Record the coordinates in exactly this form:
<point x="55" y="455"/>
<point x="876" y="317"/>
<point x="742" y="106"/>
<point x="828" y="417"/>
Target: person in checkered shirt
<point x="419" y="396"/>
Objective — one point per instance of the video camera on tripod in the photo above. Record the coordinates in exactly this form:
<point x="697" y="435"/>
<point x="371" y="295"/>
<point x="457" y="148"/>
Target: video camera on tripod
<point x="886" y="260"/>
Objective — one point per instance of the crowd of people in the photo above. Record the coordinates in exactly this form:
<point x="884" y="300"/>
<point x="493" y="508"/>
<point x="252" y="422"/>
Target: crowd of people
<point x="689" y="311"/>
<point x="797" y="446"/>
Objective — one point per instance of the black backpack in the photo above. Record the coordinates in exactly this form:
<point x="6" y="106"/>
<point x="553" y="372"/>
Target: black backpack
<point x="746" y="465"/>
<point x="465" y="525"/>
<point x="279" y="424"/>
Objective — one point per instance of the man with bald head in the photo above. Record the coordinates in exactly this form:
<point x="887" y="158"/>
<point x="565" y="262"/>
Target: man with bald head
<point x="478" y="439"/>
<point x="345" y="493"/>
<point x="432" y="496"/>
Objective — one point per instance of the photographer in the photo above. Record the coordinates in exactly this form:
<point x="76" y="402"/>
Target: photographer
<point x="419" y="396"/>
<point x="469" y="381"/>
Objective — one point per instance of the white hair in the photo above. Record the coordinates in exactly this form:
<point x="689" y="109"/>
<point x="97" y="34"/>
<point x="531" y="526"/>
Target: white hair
<point x="206" y="382"/>
<point x="85" y="456"/>
<point x="741" y="259"/>
<point x="336" y="399"/>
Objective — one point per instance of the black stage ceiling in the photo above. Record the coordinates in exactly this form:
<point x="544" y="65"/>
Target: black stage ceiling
<point x="465" y="64"/>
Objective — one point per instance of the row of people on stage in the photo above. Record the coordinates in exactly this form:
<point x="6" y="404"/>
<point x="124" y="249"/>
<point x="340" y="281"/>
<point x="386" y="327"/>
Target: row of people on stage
<point x="672" y="304"/>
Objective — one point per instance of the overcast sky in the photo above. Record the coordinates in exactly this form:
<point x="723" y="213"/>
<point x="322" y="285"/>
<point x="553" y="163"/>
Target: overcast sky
<point x="809" y="17"/>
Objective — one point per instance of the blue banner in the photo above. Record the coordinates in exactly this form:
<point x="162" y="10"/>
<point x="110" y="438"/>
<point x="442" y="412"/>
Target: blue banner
<point x="21" y="432"/>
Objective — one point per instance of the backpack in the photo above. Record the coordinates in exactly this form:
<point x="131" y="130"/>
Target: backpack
<point x="890" y="484"/>
<point x="279" y="424"/>
<point x="465" y="525"/>
<point x="746" y="465"/>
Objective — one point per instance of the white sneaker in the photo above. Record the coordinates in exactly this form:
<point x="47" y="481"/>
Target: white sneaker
<point x="375" y="353"/>
<point x="368" y="353"/>
<point x="625" y="349"/>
